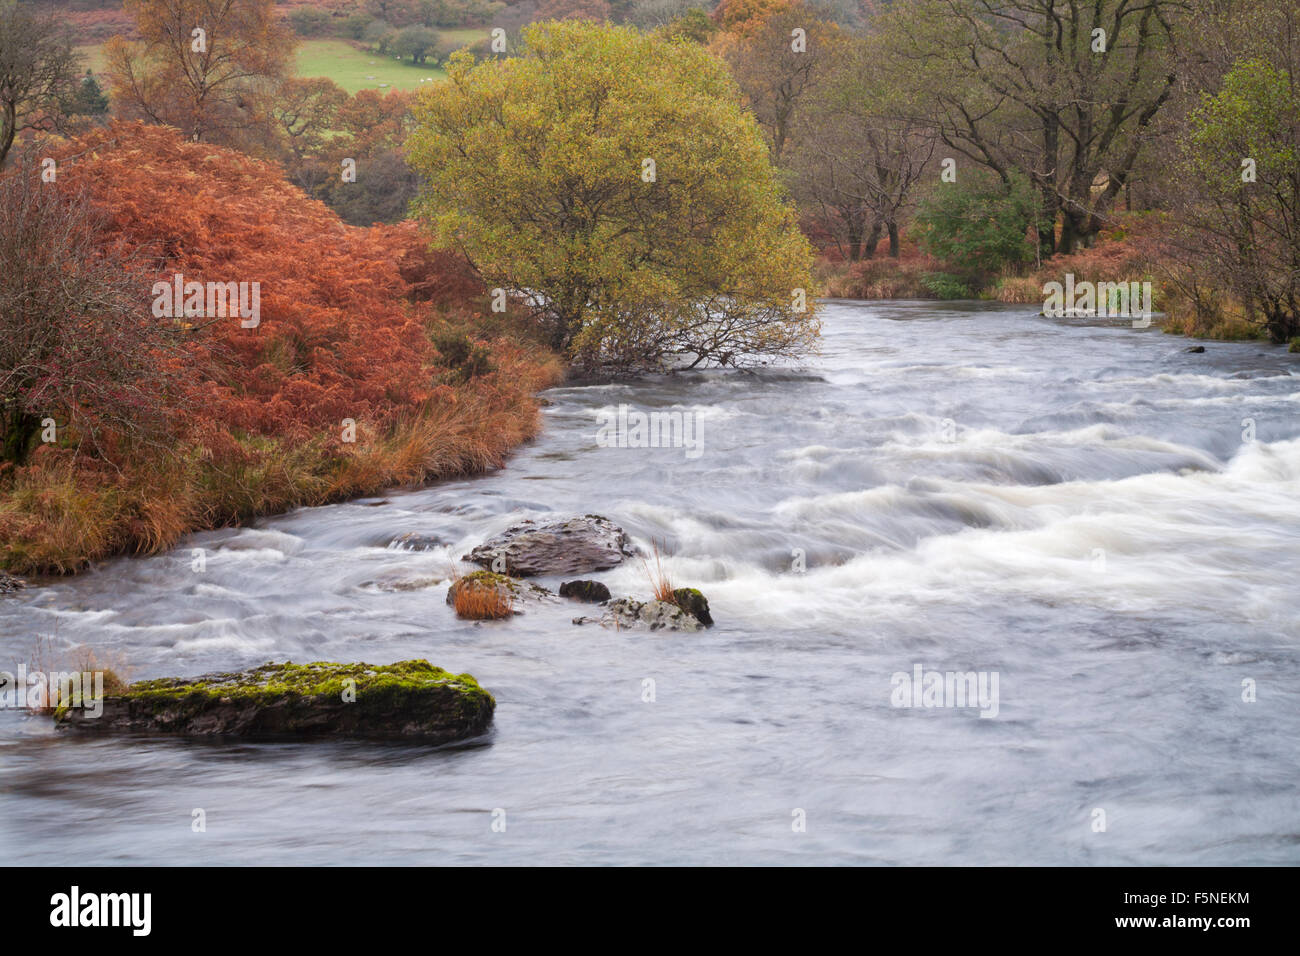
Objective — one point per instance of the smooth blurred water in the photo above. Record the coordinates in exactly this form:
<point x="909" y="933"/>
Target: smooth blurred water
<point x="972" y="487"/>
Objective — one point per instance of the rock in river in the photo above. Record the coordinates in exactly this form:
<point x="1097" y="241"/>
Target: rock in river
<point x="414" y="541"/>
<point x="578" y="545"/>
<point x="626" y="613"/>
<point x="593" y="592"/>
<point x="409" y="700"/>
<point x="9" y="583"/>
<point x="694" y="603"/>
<point x="510" y="587"/>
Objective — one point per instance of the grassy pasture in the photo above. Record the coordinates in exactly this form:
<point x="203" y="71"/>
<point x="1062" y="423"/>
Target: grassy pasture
<point x="356" y="69"/>
<point x="343" y="62"/>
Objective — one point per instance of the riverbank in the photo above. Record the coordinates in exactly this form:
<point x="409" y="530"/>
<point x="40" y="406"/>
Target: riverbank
<point x="1133" y="250"/>
<point x="372" y="364"/>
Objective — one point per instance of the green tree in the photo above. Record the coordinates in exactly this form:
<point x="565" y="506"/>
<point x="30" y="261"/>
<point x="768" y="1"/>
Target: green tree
<point x="694" y="25"/>
<point x="310" y="21"/>
<point x="612" y="181"/>
<point x="89" y="99"/>
<point x="415" y="42"/>
<point x="1242" y="160"/>
<point x="378" y="35"/>
<point x="978" y="222"/>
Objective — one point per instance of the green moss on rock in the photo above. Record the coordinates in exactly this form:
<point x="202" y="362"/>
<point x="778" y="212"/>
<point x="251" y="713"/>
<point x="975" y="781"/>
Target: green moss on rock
<point x="694" y="603"/>
<point x="409" y="699"/>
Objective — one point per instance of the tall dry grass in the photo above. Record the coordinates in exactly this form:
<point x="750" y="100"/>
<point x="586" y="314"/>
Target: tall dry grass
<point x="660" y="584"/>
<point x="60" y="512"/>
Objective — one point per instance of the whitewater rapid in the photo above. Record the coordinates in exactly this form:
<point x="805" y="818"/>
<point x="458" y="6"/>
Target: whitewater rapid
<point x="1108" y="523"/>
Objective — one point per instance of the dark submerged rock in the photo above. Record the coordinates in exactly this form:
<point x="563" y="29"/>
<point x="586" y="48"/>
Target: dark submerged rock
<point x="1195" y="348"/>
<point x="593" y="592"/>
<point x="409" y="700"/>
<point x="578" y="545"/>
<point x="414" y="541"/>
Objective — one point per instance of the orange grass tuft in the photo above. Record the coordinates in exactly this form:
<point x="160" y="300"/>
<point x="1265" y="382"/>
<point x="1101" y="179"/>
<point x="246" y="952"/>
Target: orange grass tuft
<point x="479" y="601"/>
<point x="659" y="581"/>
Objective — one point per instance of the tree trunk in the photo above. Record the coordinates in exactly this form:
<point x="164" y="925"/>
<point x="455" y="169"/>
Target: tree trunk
<point x="869" y="244"/>
<point x="7" y="129"/>
<point x="854" y="229"/>
<point x="20" y="429"/>
<point x="893" y="240"/>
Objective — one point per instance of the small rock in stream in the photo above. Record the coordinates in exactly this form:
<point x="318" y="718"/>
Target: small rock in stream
<point x="592" y="592"/>
<point x="414" y="541"/>
<point x="630" y="614"/>
<point x="510" y="587"/>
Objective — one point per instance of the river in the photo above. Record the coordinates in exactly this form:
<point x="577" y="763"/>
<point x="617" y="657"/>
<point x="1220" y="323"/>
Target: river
<point x="1103" y="522"/>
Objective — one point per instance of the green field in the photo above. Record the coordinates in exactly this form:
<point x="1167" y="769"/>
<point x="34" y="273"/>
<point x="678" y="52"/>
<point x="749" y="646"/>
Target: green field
<point x="341" y="61"/>
<point x="355" y="69"/>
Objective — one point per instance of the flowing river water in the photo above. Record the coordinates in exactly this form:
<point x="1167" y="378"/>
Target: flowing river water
<point x="1072" y="508"/>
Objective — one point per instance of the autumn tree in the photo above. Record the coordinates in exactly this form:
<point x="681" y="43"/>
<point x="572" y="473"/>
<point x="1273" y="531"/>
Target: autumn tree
<point x="744" y="16"/>
<point x="693" y="25"/>
<point x="778" y="61"/>
<point x="305" y="111"/>
<point x="612" y="181"/>
<point x="203" y="66"/>
<point x="654" y="14"/>
<point x="597" y="10"/>
<point x="38" y="72"/>
<point x="367" y="131"/>
<point x="397" y="13"/>
<point x="857" y="155"/>
<point x="79" y="349"/>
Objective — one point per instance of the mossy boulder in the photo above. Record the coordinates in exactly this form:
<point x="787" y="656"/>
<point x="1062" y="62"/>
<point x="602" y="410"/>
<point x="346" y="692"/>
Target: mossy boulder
<point x="694" y="603"/>
<point x="568" y="546"/>
<point x="409" y="700"/>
